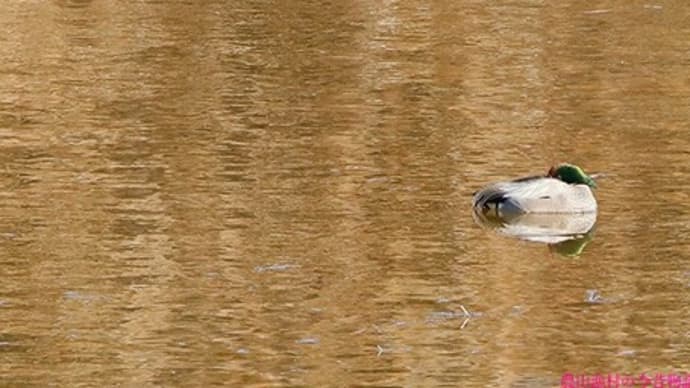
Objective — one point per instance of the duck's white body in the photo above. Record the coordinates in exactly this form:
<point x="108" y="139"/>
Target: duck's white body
<point x="535" y="195"/>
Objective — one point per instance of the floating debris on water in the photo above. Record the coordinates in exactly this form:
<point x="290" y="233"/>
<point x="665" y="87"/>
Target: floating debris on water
<point x="307" y="341"/>
<point x="596" y="11"/>
<point x="627" y="353"/>
<point x="437" y="316"/>
<point x="274" y="267"/>
<point x="443" y="315"/>
<point x="593" y="296"/>
<point x="81" y="296"/>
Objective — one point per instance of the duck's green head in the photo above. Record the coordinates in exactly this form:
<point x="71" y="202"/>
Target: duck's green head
<point x="572" y="174"/>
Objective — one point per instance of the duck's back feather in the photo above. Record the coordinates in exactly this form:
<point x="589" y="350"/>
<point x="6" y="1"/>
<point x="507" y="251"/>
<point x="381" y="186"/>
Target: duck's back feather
<point x="535" y="195"/>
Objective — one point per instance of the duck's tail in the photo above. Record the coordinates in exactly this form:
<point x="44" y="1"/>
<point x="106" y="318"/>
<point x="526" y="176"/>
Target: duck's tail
<point x="488" y="199"/>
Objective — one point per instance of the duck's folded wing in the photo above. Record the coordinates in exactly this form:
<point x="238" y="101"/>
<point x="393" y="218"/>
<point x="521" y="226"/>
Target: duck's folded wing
<point x="553" y="196"/>
<point x="537" y="194"/>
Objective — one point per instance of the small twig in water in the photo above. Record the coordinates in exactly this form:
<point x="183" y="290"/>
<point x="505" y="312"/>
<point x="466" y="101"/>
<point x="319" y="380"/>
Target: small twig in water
<point x="380" y="349"/>
<point x="464" y="311"/>
<point x="464" y="323"/>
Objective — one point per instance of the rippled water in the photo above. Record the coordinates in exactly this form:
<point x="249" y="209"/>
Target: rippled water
<point x="278" y="193"/>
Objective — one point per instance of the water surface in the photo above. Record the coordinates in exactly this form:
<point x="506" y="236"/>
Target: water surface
<point x="278" y="193"/>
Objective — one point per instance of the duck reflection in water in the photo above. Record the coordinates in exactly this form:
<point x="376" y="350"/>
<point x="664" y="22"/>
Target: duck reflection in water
<point x="565" y="234"/>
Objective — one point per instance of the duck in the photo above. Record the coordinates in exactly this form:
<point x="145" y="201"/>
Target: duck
<point x="565" y="188"/>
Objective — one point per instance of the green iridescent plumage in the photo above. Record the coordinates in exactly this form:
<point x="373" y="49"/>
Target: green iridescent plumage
<point x="572" y="174"/>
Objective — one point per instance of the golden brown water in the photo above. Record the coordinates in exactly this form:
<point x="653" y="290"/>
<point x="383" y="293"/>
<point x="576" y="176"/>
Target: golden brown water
<point x="278" y="193"/>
